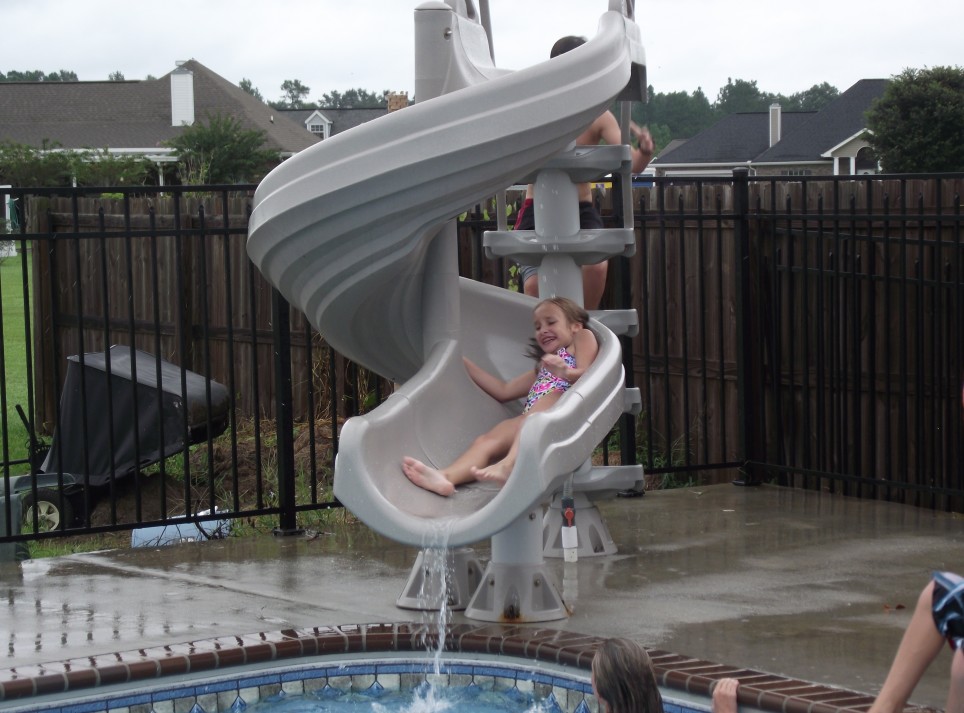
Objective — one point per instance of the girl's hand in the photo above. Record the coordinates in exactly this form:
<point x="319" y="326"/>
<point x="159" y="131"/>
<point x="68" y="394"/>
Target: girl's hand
<point x="555" y="365"/>
<point x="724" y="695"/>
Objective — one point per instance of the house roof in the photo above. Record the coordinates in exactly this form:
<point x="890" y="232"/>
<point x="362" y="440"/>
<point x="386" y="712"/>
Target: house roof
<point x="673" y="145"/>
<point x="341" y="119"/>
<point x="734" y="139"/>
<point x="805" y="136"/>
<point x="132" y="114"/>
<point x="840" y="120"/>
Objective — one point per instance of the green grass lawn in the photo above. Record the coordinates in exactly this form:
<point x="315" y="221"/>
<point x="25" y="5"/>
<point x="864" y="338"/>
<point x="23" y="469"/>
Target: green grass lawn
<point x="14" y="377"/>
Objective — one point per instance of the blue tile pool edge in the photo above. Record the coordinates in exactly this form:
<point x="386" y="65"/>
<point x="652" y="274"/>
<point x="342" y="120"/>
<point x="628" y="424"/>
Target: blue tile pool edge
<point x="32" y="687"/>
<point x="199" y="693"/>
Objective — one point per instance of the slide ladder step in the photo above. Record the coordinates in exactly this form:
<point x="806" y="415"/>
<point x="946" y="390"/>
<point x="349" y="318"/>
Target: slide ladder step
<point x="621" y="322"/>
<point x="586" y="164"/>
<point x="587" y="247"/>
<point x="607" y="478"/>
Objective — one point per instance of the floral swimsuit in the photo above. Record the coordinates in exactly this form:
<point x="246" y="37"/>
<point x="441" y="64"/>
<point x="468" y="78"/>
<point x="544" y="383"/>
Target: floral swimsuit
<point x="546" y="383"/>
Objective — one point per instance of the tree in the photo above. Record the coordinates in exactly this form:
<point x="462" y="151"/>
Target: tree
<point x="294" y="94"/>
<point x="116" y="76"/>
<point x="355" y="99"/>
<point x="17" y="76"/>
<point x="682" y="115"/>
<point x="102" y="168"/>
<point x="37" y="75"/>
<point x="29" y="167"/>
<point x="246" y="86"/>
<point x="221" y="151"/>
<point x="740" y="96"/>
<point x="812" y="99"/>
<point x="915" y="127"/>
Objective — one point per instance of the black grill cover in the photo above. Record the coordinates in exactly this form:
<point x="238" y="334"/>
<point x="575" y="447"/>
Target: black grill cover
<point x="165" y="411"/>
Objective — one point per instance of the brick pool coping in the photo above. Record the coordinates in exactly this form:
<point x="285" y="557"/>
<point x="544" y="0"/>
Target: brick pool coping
<point x="765" y="691"/>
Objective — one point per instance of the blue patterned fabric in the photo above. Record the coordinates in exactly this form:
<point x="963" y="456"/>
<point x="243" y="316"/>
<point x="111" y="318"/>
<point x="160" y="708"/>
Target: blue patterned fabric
<point x="948" y="607"/>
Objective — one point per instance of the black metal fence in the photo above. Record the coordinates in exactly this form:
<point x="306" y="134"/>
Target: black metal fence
<point x="855" y="312"/>
<point x="808" y="329"/>
<point x="163" y="273"/>
<point x="802" y="331"/>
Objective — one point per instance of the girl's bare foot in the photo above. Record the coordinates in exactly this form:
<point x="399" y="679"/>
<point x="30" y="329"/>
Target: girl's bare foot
<point x="495" y="473"/>
<point x="426" y="477"/>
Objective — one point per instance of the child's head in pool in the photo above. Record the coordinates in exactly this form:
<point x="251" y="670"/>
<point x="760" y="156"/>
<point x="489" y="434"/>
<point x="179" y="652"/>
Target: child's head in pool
<point x="623" y="678"/>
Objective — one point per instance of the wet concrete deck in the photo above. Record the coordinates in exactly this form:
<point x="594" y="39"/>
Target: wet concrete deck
<point x="807" y="585"/>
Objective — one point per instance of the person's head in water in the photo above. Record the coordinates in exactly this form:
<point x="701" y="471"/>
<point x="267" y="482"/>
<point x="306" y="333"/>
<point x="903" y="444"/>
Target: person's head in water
<point x="623" y="678"/>
<point x="570" y="42"/>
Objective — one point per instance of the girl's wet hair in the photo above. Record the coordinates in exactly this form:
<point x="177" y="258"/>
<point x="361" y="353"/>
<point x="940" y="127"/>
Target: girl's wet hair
<point x="624" y="677"/>
<point x="573" y="312"/>
<point x="570" y="310"/>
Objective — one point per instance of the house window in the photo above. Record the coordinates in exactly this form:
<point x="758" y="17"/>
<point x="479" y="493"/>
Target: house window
<point x="318" y="125"/>
<point x="796" y="172"/>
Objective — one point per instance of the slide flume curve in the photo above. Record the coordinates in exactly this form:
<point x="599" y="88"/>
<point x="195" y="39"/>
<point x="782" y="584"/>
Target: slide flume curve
<point x="358" y="232"/>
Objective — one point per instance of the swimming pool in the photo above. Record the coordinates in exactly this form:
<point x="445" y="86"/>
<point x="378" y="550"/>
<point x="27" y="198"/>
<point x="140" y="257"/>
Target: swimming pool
<point x="210" y="675"/>
<point x="565" y="690"/>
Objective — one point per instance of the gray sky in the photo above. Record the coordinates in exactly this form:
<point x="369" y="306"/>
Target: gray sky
<point x="339" y="44"/>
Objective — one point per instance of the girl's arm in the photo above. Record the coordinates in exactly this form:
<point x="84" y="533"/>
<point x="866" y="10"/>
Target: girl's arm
<point x="584" y="348"/>
<point x="494" y="386"/>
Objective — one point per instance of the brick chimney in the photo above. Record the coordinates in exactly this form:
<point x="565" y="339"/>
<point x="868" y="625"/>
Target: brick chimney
<point x="397" y="100"/>
<point x="182" y="96"/>
<point x="775" y="123"/>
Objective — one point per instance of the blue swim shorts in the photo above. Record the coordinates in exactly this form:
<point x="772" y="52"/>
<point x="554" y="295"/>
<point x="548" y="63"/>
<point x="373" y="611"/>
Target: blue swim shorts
<point x="948" y="607"/>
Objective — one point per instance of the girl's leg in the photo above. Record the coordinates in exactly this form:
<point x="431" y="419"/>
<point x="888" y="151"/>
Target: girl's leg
<point x="483" y="451"/>
<point x="499" y="472"/>
<point x="920" y="645"/>
<point x="955" y="693"/>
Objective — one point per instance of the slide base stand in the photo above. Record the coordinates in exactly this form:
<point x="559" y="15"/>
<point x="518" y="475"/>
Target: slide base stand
<point x="516" y="586"/>
<point x="436" y="578"/>
<point x="594" y="539"/>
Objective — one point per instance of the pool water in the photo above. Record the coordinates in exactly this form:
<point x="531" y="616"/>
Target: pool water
<point x="426" y="698"/>
<point x="393" y="684"/>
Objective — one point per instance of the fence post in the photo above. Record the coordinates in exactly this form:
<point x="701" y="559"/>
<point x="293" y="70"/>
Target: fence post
<point x="623" y="299"/>
<point x="284" y="420"/>
<point x="749" y="338"/>
<point x="46" y="389"/>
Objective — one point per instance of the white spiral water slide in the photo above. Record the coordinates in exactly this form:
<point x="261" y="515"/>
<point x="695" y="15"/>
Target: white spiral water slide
<point x="358" y="232"/>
